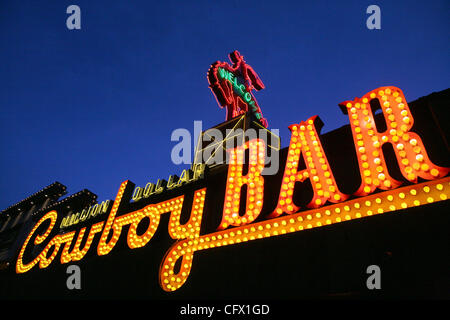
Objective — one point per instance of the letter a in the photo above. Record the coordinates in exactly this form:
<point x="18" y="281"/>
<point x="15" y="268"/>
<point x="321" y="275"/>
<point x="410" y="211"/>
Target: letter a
<point x="74" y="20"/>
<point x="74" y="280"/>
<point x="181" y="152"/>
<point x="305" y="141"/>
<point x="374" y="21"/>
<point x="374" y="281"/>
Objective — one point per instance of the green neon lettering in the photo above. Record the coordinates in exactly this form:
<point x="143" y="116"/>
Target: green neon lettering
<point x="230" y="77"/>
<point x="239" y="88"/>
<point x="236" y="86"/>
<point x="222" y="73"/>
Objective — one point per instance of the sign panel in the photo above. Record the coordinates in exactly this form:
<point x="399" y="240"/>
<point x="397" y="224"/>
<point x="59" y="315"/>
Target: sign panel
<point x="247" y="209"/>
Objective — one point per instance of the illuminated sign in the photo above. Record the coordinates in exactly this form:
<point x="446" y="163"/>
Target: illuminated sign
<point x="411" y="154"/>
<point x="233" y="85"/>
<point x="85" y="214"/>
<point x="187" y="176"/>
<point x="242" y="216"/>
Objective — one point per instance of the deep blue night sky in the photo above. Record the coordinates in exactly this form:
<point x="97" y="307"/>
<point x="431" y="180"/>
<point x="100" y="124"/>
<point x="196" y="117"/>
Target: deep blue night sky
<point x="91" y="108"/>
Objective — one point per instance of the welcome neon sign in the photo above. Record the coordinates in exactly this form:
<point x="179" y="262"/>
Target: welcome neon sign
<point x="232" y="86"/>
<point x="328" y="204"/>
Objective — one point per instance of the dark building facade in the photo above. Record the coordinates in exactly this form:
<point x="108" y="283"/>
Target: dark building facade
<point x="17" y="220"/>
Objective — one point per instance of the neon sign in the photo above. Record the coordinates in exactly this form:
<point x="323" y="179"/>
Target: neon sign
<point x="85" y="214"/>
<point x="187" y="176"/>
<point x="241" y="216"/>
<point x="232" y="86"/>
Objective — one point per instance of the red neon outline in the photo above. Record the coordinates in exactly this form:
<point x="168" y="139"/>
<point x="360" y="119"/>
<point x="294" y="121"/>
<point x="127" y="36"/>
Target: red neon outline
<point x="223" y="90"/>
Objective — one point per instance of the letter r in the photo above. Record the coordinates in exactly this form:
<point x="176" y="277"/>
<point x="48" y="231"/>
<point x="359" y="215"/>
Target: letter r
<point x="409" y="149"/>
